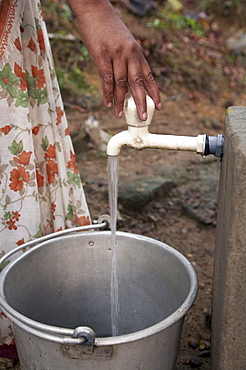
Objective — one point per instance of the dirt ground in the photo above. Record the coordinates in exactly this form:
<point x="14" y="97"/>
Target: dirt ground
<point x="188" y="109"/>
<point x="166" y="220"/>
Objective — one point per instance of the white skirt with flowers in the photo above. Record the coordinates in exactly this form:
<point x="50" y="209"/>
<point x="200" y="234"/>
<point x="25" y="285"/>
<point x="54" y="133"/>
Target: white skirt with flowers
<point x="40" y="186"/>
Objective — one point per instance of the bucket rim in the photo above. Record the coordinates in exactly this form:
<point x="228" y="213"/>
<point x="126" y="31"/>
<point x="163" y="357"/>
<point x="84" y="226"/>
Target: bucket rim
<point x="65" y="335"/>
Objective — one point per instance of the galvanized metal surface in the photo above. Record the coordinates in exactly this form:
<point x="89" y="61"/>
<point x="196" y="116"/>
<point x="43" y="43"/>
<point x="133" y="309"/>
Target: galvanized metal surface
<point x="64" y="283"/>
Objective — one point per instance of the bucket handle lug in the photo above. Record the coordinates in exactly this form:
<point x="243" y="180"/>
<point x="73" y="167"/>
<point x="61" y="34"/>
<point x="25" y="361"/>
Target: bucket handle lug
<point x="85" y="332"/>
<point x="89" y="335"/>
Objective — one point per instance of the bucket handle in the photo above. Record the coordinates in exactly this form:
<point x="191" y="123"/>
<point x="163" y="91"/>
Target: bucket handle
<point x="103" y="223"/>
<point x="80" y="335"/>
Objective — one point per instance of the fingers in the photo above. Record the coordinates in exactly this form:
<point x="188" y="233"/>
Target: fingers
<point x="120" y="85"/>
<point x="150" y="84"/>
<point x="119" y="74"/>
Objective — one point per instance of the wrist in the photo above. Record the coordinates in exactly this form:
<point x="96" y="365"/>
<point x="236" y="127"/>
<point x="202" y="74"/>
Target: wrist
<point x="80" y="8"/>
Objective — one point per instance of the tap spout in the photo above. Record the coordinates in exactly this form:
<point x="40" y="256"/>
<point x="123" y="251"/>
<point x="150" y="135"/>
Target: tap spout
<point x="138" y="136"/>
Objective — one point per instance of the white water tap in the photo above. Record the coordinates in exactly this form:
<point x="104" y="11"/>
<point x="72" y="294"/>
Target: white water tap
<point x="138" y="136"/>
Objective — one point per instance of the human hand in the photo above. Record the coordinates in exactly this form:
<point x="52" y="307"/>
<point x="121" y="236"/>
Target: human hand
<point x="117" y="55"/>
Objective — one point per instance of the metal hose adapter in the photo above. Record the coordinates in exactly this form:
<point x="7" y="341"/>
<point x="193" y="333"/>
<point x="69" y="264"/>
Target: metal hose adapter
<point x="214" y="145"/>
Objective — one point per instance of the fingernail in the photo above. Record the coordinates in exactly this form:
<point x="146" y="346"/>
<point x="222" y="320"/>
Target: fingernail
<point x="109" y="105"/>
<point x="120" y="114"/>
<point x="159" y="106"/>
<point x="144" y="116"/>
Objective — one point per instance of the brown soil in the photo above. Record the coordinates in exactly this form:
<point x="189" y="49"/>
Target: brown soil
<point x="188" y="109"/>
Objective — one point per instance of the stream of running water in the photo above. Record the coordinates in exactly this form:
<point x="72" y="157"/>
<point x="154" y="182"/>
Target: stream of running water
<point x="113" y="167"/>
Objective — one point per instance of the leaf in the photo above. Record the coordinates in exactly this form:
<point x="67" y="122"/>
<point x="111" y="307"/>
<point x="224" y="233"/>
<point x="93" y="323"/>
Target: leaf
<point x="30" y="167"/>
<point x="69" y="215"/>
<point x="38" y="27"/>
<point x="58" y="147"/>
<point x="33" y="93"/>
<point x="7" y="200"/>
<point x="32" y="183"/>
<point x="10" y="100"/>
<point x="16" y="148"/>
<point x="45" y="143"/>
<point x="6" y="71"/>
<point x="3" y="168"/>
<point x="22" y="192"/>
<point x="4" y="264"/>
<point x="39" y="232"/>
<point x="12" y="90"/>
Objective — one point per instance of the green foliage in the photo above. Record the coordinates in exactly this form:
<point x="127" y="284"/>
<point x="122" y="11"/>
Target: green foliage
<point x="170" y="20"/>
<point x="222" y="7"/>
<point x="16" y="148"/>
<point x="4" y="264"/>
<point x="71" y="57"/>
<point x="72" y="81"/>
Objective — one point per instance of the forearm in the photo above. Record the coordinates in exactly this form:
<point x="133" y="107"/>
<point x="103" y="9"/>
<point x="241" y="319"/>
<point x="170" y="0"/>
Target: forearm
<point x="116" y="53"/>
<point x="93" y="17"/>
<point x="86" y="9"/>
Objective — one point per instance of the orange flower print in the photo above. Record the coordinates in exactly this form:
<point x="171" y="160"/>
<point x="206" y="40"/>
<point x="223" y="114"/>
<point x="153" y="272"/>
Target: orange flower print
<point x="41" y="39"/>
<point x="73" y="163"/>
<point x="82" y="220"/>
<point x="52" y="170"/>
<point x="19" y="73"/>
<point x="40" y="179"/>
<point x="35" y="130"/>
<point x="50" y="152"/>
<point x="39" y="75"/>
<point x="17" y="177"/>
<point x="18" y="44"/>
<point x="11" y="224"/>
<point x="16" y="215"/>
<point x="3" y="314"/>
<point x="53" y="208"/>
<point x="67" y="131"/>
<point x="20" y="242"/>
<point x="24" y="158"/>
<point x="5" y="130"/>
<point x="31" y="45"/>
<point x="59" y="113"/>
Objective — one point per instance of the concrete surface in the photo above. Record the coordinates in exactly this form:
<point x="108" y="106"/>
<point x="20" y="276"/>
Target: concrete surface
<point x="229" y="295"/>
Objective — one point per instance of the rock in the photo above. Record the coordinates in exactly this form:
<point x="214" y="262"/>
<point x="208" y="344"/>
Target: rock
<point x="199" y="200"/>
<point x="202" y="213"/>
<point x="193" y="343"/>
<point x="237" y="43"/>
<point x="210" y="123"/>
<point x="204" y="345"/>
<point x="205" y="354"/>
<point x="195" y="362"/>
<point x="178" y="175"/>
<point x="137" y="192"/>
<point x="6" y="363"/>
<point x="87" y="101"/>
<point x="98" y="137"/>
<point x="140" y="7"/>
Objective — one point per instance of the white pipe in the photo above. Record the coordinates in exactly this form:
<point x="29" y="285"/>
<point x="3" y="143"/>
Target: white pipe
<point x="141" y="138"/>
<point x="138" y="137"/>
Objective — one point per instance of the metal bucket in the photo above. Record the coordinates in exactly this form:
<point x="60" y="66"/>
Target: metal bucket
<point x="63" y="283"/>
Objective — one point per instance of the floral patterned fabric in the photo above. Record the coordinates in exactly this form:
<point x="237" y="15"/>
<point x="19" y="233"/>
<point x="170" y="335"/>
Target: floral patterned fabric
<point x="40" y="185"/>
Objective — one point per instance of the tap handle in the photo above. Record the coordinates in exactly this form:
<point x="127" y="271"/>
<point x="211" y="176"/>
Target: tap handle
<point x="131" y="115"/>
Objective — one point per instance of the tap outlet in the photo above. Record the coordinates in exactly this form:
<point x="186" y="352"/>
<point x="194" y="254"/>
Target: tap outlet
<point x="138" y="136"/>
